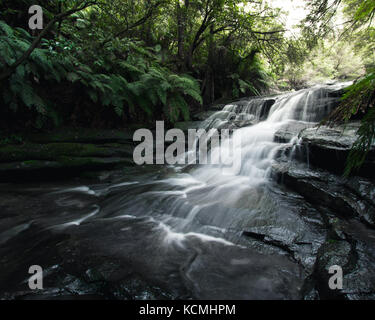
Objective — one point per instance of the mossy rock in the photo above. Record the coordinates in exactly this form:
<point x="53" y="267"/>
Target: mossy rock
<point x="54" y="151"/>
<point x="61" y="168"/>
<point x="83" y="135"/>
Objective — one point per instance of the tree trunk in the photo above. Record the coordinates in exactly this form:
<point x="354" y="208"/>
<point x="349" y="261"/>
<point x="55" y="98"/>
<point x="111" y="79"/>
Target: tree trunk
<point x="209" y="90"/>
<point x="181" y="14"/>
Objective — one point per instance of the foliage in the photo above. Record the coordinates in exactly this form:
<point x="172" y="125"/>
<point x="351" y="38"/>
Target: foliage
<point x="20" y="88"/>
<point x="121" y="61"/>
<point x="332" y="59"/>
<point x="359" y="99"/>
<point x="363" y="144"/>
<point x="137" y="81"/>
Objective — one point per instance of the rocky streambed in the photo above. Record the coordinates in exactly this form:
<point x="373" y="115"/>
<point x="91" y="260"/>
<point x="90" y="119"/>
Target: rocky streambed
<point x="170" y="232"/>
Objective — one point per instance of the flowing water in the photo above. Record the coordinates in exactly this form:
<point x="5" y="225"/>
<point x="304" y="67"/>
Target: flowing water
<point x="182" y="231"/>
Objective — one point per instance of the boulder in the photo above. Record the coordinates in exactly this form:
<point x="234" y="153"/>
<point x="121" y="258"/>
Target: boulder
<point x="354" y="252"/>
<point x="204" y="115"/>
<point x="62" y="167"/>
<point x="329" y="148"/>
<point x="84" y="135"/>
<point x="347" y="198"/>
<point x="186" y="125"/>
<point x="290" y="130"/>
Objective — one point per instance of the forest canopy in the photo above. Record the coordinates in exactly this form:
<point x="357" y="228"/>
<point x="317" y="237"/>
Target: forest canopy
<point x="114" y="62"/>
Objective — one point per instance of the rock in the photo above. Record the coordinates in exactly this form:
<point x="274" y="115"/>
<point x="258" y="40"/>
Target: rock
<point x="355" y="254"/>
<point x="233" y="125"/>
<point x="83" y="135"/>
<point x="329" y="148"/>
<point x="202" y="116"/>
<point x="290" y="130"/>
<point x="186" y="125"/>
<point x="347" y="208"/>
<point x="290" y="226"/>
<point x="244" y="123"/>
<point x="105" y="259"/>
<point x="323" y="188"/>
<point x="53" y="151"/>
<point x="216" y="107"/>
<point x="337" y="138"/>
<point x="60" y="159"/>
<point x="332" y="253"/>
<point x="60" y="168"/>
<point x="266" y="107"/>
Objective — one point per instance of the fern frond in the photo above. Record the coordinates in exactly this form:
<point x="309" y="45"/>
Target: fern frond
<point x="6" y="29"/>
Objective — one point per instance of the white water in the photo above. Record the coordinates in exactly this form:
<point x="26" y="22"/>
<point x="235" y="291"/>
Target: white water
<point x="210" y="200"/>
<point x="208" y="186"/>
<point x="258" y="148"/>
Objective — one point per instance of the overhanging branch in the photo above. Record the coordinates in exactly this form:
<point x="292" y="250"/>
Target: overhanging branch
<point x="8" y="72"/>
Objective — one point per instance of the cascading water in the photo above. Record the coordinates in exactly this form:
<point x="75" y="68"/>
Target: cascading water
<point x="203" y="199"/>
<point x="182" y="228"/>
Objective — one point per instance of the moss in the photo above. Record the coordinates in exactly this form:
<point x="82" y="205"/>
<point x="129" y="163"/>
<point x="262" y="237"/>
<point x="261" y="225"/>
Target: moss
<point x="83" y="135"/>
<point x="31" y="160"/>
<point x="52" y="151"/>
<point x="91" y="162"/>
<point x="64" y="163"/>
<point x="331" y="241"/>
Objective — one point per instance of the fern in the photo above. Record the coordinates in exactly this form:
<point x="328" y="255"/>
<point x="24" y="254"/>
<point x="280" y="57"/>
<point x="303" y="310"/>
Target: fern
<point x="363" y="145"/>
<point x="137" y="84"/>
<point x="6" y="29"/>
<point x="359" y="97"/>
<point x="177" y="104"/>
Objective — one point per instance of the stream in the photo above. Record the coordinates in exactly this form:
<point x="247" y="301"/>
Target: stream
<point x="191" y="232"/>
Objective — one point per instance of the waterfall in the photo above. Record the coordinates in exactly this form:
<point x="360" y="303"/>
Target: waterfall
<point x="201" y="198"/>
<point x="194" y="228"/>
<point x="258" y="146"/>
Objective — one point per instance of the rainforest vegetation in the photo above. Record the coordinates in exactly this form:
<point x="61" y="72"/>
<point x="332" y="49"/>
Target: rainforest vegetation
<point x="127" y="63"/>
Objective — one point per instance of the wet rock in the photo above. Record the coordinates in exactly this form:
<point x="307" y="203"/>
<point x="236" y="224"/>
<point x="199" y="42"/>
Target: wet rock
<point x="53" y="151"/>
<point x="56" y="160"/>
<point x="329" y="148"/>
<point x="216" y="107"/>
<point x="104" y="259"/>
<point x="260" y="106"/>
<point x="186" y="125"/>
<point x="83" y="135"/>
<point x="323" y="188"/>
<point x="290" y="226"/>
<point x="291" y="130"/>
<point x="60" y="168"/>
<point x="244" y="123"/>
<point x="233" y="125"/>
<point x="332" y="253"/>
<point x="266" y="107"/>
<point x="201" y="116"/>
<point x="352" y="250"/>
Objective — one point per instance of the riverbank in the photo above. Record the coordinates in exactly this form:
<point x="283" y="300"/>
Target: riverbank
<point x="64" y="153"/>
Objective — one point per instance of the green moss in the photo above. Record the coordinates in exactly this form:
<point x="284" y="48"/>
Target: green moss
<point x="31" y="162"/>
<point x="83" y="135"/>
<point x="52" y="151"/>
<point x="331" y="241"/>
